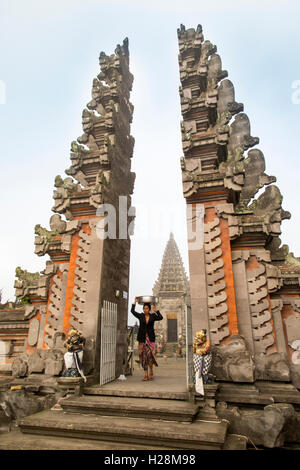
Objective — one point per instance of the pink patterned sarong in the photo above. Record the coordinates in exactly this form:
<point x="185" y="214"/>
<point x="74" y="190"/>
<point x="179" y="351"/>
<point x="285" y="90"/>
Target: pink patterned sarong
<point x="146" y="353"/>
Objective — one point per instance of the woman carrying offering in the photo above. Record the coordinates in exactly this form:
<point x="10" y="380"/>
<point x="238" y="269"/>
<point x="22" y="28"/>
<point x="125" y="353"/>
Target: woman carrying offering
<point x="146" y="336"/>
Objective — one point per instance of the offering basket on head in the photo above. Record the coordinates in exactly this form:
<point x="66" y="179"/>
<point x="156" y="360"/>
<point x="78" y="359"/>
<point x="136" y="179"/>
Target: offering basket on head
<point x="151" y="299"/>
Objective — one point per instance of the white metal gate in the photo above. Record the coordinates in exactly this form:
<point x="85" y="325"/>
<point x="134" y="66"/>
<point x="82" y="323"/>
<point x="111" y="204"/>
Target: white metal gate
<point x="108" y="342"/>
<point x="189" y="354"/>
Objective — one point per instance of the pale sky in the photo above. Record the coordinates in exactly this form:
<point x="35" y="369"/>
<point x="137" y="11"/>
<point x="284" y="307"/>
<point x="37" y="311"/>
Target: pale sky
<point x="48" y="58"/>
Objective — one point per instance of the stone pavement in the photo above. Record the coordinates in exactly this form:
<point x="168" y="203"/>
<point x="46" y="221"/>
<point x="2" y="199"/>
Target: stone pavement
<point x="120" y="415"/>
<point x="169" y="382"/>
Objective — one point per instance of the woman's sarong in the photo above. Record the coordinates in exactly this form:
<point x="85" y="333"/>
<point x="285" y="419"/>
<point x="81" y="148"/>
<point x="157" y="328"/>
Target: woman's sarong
<point x="146" y="353"/>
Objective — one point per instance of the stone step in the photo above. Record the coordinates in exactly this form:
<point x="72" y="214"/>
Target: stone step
<point x="281" y="392"/>
<point x="170" y="410"/>
<point x="107" y="391"/>
<point x="119" y="429"/>
<point x="17" y="440"/>
<point x="237" y="399"/>
<point x="243" y="394"/>
<point x="260" y="393"/>
<point x="240" y="388"/>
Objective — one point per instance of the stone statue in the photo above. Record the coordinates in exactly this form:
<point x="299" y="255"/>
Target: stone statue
<point x="73" y="358"/>
<point x="202" y="359"/>
<point x="179" y="347"/>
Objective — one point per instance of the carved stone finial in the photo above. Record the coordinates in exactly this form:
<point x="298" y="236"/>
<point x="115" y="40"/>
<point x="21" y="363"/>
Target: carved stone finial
<point x="255" y="178"/>
<point x="268" y="206"/>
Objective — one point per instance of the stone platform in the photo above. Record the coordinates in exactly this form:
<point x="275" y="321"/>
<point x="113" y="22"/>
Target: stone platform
<point x="170" y="410"/>
<point x="140" y="431"/>
<point x="130" y="414"/>
<point x="259" y="394"/>
<point x="17" y="440"/>
<point x="169" y="382"/>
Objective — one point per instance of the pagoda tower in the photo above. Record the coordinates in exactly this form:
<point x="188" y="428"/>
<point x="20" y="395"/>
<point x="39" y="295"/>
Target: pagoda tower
<point x="172" y="290"/>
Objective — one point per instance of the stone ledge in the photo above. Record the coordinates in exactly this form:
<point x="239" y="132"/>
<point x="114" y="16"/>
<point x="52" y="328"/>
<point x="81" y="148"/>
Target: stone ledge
<point x="131" y="407"/>
<point x="197" y="435"/>
<point x="16" y="440"/>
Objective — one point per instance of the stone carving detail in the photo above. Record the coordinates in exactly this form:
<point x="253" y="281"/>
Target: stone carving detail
<point x="233" y="361"/>
<point x="26" y="276"/>
<point x="42" y="240"/>
<point x="80" y="288"/>
<point x="50" y="268"/>
<point x="56" y="307"/>
<point x="48" y="361"/>
<point x="36" y="361"/>
<point x="62" y="195"/>
<point x="77" y="154"/>
<point x="226" y="211"/>
<point x="54" y="362"/>
<point x="106" y="125"/>
<point x="213" y="147"/>
<point x="293" y="328"/>
<point x="259" y="307"/>
<point x="271" y="427"/>
<point x="20" y="366"/>
<point x="274" y="366"/>
<point x="295" y="304"/>
<point x="233" y="168"/>
<point x="31" y="310"/>
<point x="58" y="239"/>
<point x="255" y="178"/>
<point x="240" y="138"/>
<point x="277" y="252"/>
<point x="273" y="277"/>
<point x="33" y="283"/>
<point x="217" y="306"/>
<point x="227" y="107"/>
<point x="268" y="207"/>
<point x="33" y="333"/>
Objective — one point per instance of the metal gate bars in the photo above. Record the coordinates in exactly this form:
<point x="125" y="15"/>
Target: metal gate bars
<point x="108" y="342"/>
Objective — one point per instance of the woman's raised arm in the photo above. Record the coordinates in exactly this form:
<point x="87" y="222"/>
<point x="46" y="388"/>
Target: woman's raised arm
<point x="134" y="313"/>
<point x="157" y="313"/>
<point x="158" y="316"/>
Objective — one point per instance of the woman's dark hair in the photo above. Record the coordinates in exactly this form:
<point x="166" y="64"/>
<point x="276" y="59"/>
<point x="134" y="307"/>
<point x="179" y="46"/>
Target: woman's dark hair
<point x="148" y="305"/>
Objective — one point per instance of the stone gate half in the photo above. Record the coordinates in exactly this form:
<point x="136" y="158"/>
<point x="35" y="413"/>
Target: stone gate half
<point x="85" y="268"/>
<point x="245" y="285"/>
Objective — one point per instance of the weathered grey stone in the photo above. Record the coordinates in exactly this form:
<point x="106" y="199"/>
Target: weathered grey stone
<point x="4" y="419"/>
<point x="233" y="361"/>
<point x="274" y="366"/>
<point x="268" y="205"/>
<point x="235" y="442"/>
<point x="54" y="362"/>
<point x="35" y="362"/>
<point x="20" y="366"/>
<point x="57" y="224"/>
<point x="255" y="178"/>
<point x="5" y="369"/>
<point x="293" y="429"/>
<point x="30" y="311"/>
<point x="33" y="333"/>
<point x="58" y="340"/>
<point x="295" y="375"/>
<point x="20" y="403"/>
<point x="265" y="427"/>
